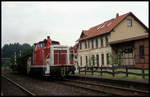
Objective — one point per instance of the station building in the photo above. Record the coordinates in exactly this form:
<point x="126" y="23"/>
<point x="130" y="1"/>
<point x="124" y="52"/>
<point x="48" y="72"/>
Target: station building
<point x="124" y="34"/>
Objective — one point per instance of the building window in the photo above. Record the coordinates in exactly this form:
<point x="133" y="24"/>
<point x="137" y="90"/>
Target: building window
<point x="102" y="56"/>
<point x="129" y="23"/>
<point x="86" y="58"/>
<point x="85" y="44"/>
<point x="92" y="44"/>
<point x="81" y="60"/>
<point x="106" y="40"/>
<point x="88" y="43"/>
<point x="80" y="45"/>
<point x="96" y="43"/>
<point x="97" y="60"/>
<point x="93" y="60"/>
<point x="101" y="42"/>
<point x="107" y="58"/>
<point x="141" y="51"/>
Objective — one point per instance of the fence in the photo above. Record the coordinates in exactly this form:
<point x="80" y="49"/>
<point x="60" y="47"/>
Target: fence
<point x="114" y="70"/>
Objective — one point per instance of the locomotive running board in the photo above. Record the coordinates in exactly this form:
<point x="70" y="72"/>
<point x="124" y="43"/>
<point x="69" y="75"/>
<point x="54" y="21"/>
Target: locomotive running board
<point x="35" y="66"/>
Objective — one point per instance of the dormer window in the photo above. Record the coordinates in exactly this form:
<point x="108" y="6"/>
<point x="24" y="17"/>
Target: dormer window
<point x="109" y="24"/>
<point x="100" y="27"/>
<point x="129" y="23"/>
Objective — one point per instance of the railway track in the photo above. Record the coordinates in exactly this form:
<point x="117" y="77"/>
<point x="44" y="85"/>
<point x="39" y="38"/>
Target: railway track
<point x="107" y="89"/>
<point x="26" y="91"/>
<point x="93" y="86"/>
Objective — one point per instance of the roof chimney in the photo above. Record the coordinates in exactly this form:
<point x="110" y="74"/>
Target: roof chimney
<point x="117" y="15"/>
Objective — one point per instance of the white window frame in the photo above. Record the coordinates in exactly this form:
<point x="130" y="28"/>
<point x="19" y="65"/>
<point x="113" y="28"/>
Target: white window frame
<point x="129" y="22"/>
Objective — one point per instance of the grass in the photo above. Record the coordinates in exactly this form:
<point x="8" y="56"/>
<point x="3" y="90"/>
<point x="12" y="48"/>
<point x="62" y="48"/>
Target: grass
<point x="121" y="75"/>
<point x="5" y="68"/>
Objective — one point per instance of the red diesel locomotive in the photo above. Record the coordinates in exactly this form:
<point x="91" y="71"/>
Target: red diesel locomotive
<point x="48" y="58"/>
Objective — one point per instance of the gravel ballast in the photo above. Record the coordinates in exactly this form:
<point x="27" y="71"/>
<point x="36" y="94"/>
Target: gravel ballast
<point x="49" y="87"/>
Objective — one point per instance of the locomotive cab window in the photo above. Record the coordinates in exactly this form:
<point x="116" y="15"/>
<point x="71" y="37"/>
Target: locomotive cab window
<point x="36" y="46"/>
<point x="42" y="45"/>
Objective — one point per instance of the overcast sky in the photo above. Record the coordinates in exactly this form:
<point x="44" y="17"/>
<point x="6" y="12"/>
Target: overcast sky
<point x="30" y="22"/>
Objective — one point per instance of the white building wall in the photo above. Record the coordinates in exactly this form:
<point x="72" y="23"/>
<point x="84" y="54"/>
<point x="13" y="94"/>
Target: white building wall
<point x="94" y="52"/>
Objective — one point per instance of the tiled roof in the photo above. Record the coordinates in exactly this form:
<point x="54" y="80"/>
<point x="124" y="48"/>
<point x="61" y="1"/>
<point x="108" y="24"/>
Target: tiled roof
<point x="75" y="47"/>
<point x="103" y="28"/>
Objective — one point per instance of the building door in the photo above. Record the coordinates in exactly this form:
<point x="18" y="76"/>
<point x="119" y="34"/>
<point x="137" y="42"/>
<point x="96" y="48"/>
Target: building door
<point x="127" y="56"/>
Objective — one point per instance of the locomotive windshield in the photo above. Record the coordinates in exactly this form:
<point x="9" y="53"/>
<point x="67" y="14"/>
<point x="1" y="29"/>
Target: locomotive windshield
<point x="42" y="44"/>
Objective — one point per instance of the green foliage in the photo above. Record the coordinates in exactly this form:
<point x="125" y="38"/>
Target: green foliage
<point x="27" y="51"/>
<point x="92" y="61"/>
<point x="8" y="50"/>
<point x="109" y="58"/>
<point x="6" y="63"/>
<point x="116" y="60"/>
<point x="89" y="62"/>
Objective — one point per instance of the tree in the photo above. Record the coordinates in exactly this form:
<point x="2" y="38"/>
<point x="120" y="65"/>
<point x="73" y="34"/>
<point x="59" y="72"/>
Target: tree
<point x="6" y="64"/>
<point x="8" y="50"/>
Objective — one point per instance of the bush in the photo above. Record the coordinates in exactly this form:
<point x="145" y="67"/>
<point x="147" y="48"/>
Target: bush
<point x="116" y="59"/>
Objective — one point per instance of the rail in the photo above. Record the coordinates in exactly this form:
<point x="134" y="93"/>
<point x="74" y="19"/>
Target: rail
<point x="21" y="87"/>
<point x="109" y="89"/>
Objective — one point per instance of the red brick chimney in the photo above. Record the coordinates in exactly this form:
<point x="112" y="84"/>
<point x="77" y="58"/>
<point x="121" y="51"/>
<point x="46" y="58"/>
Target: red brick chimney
<point x="117" y="15"/>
